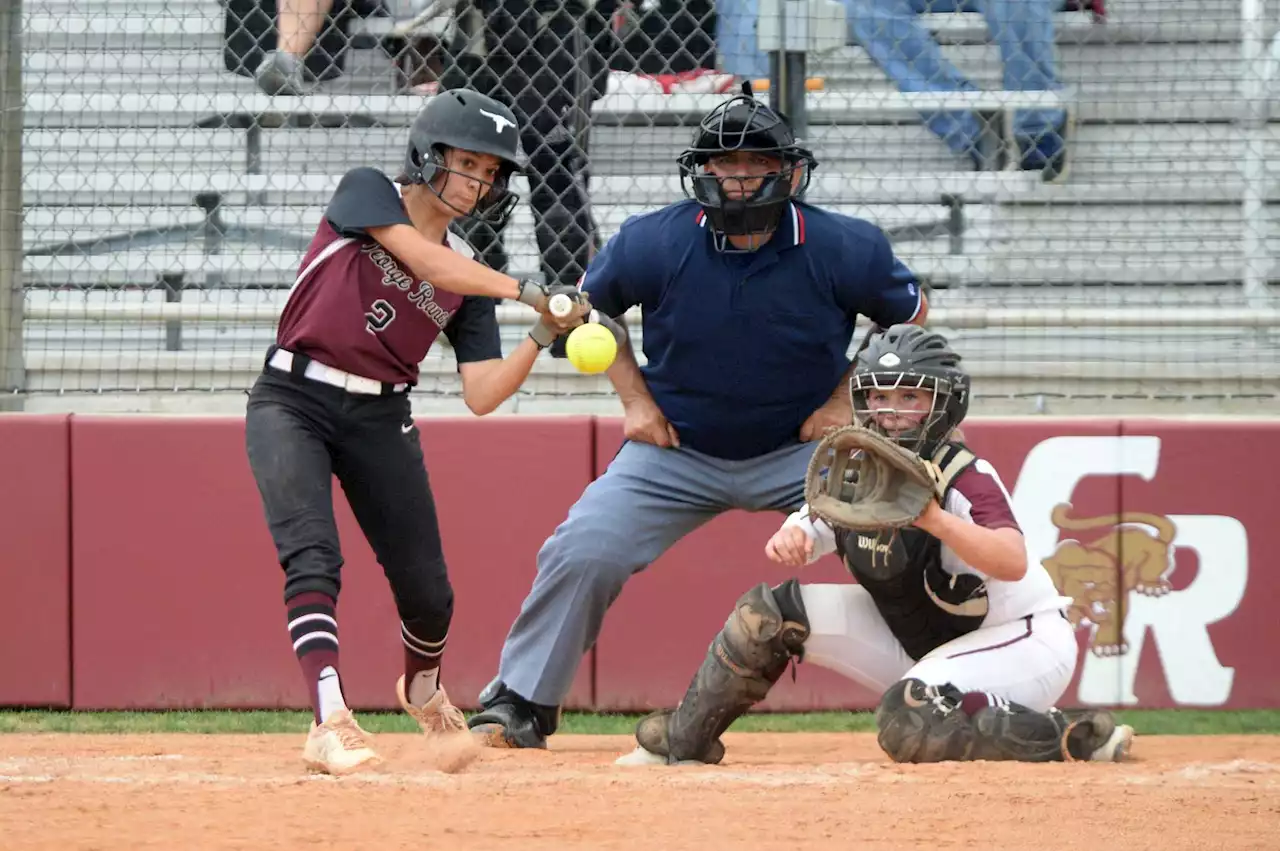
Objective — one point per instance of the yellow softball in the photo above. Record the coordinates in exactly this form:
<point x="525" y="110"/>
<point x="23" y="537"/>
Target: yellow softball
<point x="591" y="348"/>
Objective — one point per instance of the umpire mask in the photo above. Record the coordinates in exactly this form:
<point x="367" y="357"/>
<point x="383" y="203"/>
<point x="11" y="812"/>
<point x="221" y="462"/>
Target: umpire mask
<point x="744" y="195"/>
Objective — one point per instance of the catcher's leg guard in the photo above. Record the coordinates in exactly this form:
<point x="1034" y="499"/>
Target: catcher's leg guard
<point x="767" y="628"/>
<point x="922" y="723"/>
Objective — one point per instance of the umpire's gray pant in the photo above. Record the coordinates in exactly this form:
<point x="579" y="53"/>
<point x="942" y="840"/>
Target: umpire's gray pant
<point x="647" y="499"/>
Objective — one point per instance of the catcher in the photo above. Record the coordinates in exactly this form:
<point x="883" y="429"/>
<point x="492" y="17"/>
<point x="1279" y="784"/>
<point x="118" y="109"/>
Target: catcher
<point x="966" y="641"/>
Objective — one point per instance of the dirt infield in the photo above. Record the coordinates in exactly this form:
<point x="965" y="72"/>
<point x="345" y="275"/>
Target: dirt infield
<point x="774" y="790"/>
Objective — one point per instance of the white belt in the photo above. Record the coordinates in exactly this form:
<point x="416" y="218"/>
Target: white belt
<point x="282" y="360"/>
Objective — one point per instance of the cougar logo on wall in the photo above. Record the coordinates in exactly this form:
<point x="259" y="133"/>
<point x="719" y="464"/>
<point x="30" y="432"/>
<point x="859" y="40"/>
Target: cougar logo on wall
<point x="1116" y="569"/>
<point x="1136" y="550"/>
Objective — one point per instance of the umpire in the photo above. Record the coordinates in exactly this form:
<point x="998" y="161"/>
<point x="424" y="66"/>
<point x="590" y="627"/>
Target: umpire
<point x="749" y="299"/>
<point x="546" y="59"/>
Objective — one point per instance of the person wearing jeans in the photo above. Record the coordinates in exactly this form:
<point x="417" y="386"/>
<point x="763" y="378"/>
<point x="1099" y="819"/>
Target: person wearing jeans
<point x="893" y="36"/>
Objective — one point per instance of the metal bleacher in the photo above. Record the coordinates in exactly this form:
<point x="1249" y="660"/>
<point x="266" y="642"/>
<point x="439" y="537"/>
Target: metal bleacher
<point x="132" y="123"/>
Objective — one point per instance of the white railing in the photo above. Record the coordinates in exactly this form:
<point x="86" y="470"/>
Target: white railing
<point x="1256" y="75"/>
<point x="951" y="317"/>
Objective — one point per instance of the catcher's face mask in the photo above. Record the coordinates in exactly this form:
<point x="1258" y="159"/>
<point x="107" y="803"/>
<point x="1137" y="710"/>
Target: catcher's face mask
<point x="908" y="408"/>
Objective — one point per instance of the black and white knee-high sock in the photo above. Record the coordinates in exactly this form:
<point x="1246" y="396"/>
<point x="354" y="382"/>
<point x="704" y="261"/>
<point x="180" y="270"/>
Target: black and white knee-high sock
<point x="422" y="655"/>
<point x="313" y="628"/>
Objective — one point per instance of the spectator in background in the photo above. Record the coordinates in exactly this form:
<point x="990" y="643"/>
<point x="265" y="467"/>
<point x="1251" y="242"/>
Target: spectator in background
<point x="310" y="42"/>
<point x="740" y="55"/>
<point x="666" y="46"/>
<point x="892" y="35"/>
<point x="287" y="46"/>
<point x="548" y="61"/>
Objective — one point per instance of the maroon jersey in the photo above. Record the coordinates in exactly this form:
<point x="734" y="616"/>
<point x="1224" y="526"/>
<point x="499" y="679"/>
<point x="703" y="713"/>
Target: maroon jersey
<point x="978" y="495"/>
<point x="356" y="307"/>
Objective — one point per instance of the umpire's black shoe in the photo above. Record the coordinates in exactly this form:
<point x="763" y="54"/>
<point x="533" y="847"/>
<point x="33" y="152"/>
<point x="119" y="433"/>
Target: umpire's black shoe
<point x="507" y="720"/>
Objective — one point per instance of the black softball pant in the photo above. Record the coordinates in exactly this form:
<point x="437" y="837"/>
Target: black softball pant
<point x="299" y="435"/>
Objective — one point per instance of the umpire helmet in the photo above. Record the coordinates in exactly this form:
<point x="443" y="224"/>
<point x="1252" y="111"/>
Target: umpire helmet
<point x="910" y="357"/>
<point x="744" y="124"/>
<point x="469" y="121"/>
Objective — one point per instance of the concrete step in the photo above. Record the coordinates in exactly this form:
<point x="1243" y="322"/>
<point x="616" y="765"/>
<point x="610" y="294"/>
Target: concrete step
<point x="1185" y="153"/>
<point x="49" y="23"/>
<point x="883" y="149"/>
<point x="177" y="187"/>
<point x="1085" y="360"/>
<point x="996" y="264"/>
<point x="175" y="104"/>
<point x="1096" y="70"/>
<point x="1138" y="155"/>
<point x="44" y="227"/>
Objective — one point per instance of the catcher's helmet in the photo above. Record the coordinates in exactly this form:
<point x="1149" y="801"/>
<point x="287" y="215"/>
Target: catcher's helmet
<point x="744" y="124"/>
<point x="905" y="357"/>
<point x="470" y="121"/>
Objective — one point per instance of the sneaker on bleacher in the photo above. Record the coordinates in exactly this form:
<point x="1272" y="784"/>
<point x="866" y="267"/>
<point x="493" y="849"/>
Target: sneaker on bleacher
<point x="280" y="73"/>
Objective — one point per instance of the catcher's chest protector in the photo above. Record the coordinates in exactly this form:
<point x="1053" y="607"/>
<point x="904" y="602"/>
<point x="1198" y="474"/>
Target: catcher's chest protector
<point x="923" y="605"/>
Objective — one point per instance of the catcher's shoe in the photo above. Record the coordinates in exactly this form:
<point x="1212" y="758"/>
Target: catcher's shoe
<point x="653" y="747"/>
<point x="507" y="720"/>
<point x="435" y="716"/>
<point x="339" y="745"/>
<point x="1095" y="736"/>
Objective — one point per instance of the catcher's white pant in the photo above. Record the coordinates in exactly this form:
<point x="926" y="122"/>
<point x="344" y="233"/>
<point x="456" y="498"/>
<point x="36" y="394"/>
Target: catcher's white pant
<point x="1028" y="661"/>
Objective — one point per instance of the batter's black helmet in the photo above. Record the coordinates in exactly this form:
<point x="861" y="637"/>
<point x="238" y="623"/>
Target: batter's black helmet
<point x="908" y="357"/>
<point x="744" y="124"/>
<point x="470" y="121"/>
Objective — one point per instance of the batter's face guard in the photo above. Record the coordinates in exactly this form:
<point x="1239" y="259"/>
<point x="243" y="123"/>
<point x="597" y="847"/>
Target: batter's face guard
<point x="744" y="167"/>
<point x="472" y="185"/>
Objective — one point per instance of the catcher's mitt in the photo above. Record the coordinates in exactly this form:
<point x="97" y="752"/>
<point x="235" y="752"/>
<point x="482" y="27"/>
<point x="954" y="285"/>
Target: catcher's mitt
<point x="882" y="486"/>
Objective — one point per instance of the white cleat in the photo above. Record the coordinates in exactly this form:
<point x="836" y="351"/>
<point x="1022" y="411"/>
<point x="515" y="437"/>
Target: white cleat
<point x="339" y="746"/>
<point x="1116" y="748"/>
<point x="435" y="716"/>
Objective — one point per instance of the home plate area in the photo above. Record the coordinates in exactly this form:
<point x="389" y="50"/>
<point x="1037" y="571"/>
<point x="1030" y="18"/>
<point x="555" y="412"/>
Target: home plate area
<point x="776" y="790"/>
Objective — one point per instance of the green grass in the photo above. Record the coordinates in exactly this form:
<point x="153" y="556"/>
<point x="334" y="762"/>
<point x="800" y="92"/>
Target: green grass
<point x="1147" y="722"/>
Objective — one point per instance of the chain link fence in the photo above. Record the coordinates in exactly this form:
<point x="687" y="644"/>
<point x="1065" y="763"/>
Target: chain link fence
<point x="1087" y="191"/>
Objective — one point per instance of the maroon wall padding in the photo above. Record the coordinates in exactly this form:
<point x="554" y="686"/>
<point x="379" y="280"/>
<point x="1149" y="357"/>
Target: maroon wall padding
<point x="175" y="596"/>
<point x="35" y="509"/>
<point x="178" y="597"/>
<point x="1204" y="632"/>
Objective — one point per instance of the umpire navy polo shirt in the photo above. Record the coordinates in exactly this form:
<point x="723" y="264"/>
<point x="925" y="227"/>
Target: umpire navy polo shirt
<point x="743" y="347"/>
